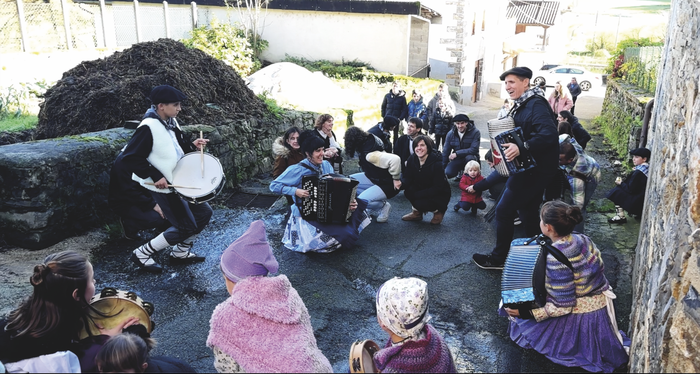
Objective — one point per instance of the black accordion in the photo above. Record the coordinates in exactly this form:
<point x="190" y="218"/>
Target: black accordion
<point x="503" y="131"/>
<point x="524" y="273"/>
<point x="329" y="198"/>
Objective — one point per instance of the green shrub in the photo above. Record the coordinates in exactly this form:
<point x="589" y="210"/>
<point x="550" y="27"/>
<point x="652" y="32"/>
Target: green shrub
<point x="616" y="126"/>
<point x="351" y="70"/>
<point x="275" y="110"/>
<point x="229" y="44"/>
<point x="19" y="100"/>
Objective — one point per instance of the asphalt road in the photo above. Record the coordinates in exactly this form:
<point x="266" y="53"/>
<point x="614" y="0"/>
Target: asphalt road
<point x="338" y="288"/>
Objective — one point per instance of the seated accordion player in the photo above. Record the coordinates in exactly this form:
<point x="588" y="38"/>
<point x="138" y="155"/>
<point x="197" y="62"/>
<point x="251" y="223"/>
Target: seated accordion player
<point x="503" y="131"/>
<point x="329" y="198"/>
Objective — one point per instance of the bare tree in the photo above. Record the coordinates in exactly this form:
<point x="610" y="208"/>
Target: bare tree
<point x="249" y="12"/>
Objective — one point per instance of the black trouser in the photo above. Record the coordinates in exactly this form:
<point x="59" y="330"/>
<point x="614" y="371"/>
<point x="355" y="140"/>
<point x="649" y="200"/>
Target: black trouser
<point x="186" y="219"/>
<point x="522" y="197"/>
<point x="573" y="99"/>
<point x="134" y="219"/>
<point x="426" y="204"/>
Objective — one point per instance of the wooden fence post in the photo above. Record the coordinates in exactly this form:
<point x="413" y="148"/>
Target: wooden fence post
<point x="103" y="11"/>
<point x="194" y="15"/>
<point x="66" y="23"/>
<point x="138" y="21"/>
<point x="167" y="19"/>
<point x="22" y="25"/>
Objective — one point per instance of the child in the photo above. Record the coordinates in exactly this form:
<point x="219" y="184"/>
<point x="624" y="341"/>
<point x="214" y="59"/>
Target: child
<point x="413" y="346"/>
<point x="264" y="326"/>
<point x="629" y="194"/>
<point x="124" y="353"/>
<point x="574" y="328"/>
<point x="503" y="112"/>
<point x="471" y="200"/>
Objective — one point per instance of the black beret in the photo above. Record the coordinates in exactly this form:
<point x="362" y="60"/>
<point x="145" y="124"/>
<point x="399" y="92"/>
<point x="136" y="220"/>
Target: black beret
<point x="641" y="152"/>
<point x="460" y="118"/>
<point x="166" y="94"/>
<point x="309" y="142"/>
<point x="390" y="122"/>
<point x="520" y="71"/>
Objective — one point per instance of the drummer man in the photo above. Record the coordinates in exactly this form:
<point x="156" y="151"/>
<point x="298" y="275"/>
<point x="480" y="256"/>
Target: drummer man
<point x="151" y="155"/>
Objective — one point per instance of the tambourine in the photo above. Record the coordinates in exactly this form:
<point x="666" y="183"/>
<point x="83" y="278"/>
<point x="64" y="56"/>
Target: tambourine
<point x="117" y="306"/>
<point x="361" y="356"/>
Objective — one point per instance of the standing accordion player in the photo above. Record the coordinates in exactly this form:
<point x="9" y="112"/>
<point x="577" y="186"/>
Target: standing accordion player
<point x="329" y="198"/>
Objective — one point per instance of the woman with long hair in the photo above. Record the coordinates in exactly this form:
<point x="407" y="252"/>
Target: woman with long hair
<point x="380" y="179"/>
<point x="51" y="319"/>
<point x="560" y="98"/>
<point x="287" y="151"/>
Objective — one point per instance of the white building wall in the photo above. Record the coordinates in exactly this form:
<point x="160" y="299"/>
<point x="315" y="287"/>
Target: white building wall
<point x="378" y="39"/>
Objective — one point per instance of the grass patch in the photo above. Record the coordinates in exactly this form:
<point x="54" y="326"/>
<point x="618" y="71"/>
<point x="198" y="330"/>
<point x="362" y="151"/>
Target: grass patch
<point x="20" y="123"/>
<point x="601" y="206"/>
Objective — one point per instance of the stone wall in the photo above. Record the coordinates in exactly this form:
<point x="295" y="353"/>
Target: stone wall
<point x="56" y="188"/>
<point x="622" y="102"/>
<point x="665" y="322"/>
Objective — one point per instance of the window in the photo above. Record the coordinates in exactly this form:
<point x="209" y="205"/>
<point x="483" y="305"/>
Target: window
<point x="561" y="71"/>
<point x="575" y="71"/>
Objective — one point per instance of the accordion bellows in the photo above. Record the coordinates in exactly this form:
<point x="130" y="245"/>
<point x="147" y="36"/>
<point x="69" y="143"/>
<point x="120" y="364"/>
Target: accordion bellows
<point x="521" y="273"/>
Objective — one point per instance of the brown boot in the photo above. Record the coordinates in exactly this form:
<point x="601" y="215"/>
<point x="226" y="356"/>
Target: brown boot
<point x="437" y="218"/>
<point x="413" y="216"/>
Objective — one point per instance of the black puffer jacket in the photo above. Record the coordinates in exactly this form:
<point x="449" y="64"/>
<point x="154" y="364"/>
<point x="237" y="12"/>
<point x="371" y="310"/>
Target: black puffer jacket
<point x="441" y="123"/>
<point x="426" y="181"/>
<point x="580" y="134"/>
<point x="395" y="105"/>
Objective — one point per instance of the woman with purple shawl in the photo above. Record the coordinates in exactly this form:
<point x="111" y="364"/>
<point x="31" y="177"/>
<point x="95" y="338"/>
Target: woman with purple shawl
<point x="576" y="327"/>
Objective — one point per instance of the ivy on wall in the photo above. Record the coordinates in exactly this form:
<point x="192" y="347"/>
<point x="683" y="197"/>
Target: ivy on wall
<point x="618" y="118"/>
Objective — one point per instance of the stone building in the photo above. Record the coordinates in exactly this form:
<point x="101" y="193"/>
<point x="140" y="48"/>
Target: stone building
<point x="665" y="322"/>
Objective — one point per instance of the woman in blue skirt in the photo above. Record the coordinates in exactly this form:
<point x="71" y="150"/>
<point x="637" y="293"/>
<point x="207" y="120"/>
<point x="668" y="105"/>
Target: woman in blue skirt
<point x="576" y="327"/>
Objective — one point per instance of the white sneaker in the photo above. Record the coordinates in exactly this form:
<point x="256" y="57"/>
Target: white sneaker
<point x="384" y="213"/>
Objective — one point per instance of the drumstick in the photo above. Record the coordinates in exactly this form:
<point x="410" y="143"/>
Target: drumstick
<point x="175" y="186"/>
<point x="201" y="136"/>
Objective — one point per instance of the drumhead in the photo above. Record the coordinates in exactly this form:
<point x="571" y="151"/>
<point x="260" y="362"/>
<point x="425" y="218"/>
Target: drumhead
<point x="361" y="356"/>
<point x="188" y="172"/>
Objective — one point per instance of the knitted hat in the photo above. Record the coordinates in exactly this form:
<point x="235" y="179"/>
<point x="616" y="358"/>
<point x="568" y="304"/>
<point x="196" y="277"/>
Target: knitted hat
<point x="249" y="255"/>
<point x="520" y="71"/>
<point x="402" y="306"/>
<point x="309" y="142"/>
<point x="166" y="94"/>
<point x="641" y="152"/>
<point x="390" y="122"/>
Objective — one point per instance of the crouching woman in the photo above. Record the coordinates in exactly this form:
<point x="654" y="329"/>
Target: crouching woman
<point x="264" y="327"/>
<point x="301" y="235"/>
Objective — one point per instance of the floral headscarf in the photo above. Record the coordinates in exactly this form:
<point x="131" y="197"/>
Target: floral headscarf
<point x="402" y="306"/>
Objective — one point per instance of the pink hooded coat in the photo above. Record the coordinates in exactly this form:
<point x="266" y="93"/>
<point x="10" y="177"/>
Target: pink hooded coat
<point x="266" y="327"/>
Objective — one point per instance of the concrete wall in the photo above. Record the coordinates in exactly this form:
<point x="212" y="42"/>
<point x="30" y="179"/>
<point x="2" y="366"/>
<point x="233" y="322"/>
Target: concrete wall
<point x="418" y="44"/>
<point x="665" y="322"/>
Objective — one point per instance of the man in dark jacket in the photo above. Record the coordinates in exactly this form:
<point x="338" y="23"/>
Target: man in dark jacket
<point x="524" y="190"/>
<point x="404" y="145"/>
<point x="134" y="204"/>
<point x="383" y="130"/>
<point x="575" y="90"/>
<point x="395" y="104"/>
<point x="461" y="145"/>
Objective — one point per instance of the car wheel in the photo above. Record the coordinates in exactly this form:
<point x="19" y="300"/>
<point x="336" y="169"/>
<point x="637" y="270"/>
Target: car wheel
<point x="538" y="80"/>
<point x="585" y="85"/>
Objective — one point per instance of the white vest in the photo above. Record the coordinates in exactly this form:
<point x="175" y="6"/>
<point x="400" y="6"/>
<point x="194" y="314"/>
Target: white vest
<point x="163" y="155"/>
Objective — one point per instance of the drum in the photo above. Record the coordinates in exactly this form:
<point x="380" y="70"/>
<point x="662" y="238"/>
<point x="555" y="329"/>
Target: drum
<point x="117" y="306"/>
<point x="361" y="356"/>
<point x="188" y="173"/>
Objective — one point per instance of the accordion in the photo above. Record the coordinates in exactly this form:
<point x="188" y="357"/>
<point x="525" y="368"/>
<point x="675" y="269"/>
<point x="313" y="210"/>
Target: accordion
<point x="503" y="131"/>
<point x="525" y="270"/>
<point x="522" y="283"/>
<point x="329" y="198"/>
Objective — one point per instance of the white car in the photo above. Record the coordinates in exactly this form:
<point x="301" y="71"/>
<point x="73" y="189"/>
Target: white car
<point x="563" y="74"/>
